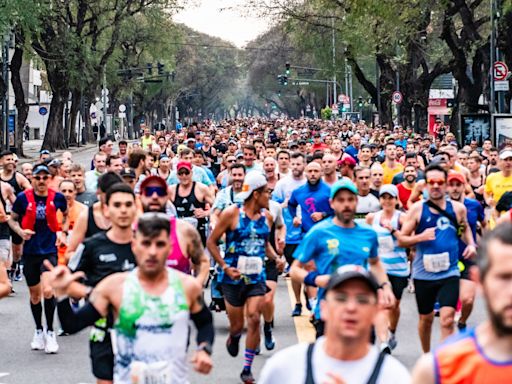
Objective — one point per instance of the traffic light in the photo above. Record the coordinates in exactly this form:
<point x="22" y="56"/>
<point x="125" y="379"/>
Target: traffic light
<point x="160" y="67"/>
<point x="287" y="68"/>
<point x="343" y="109"/>
<point x="150" y="68"/>
<point x="283" y="79"/>
<point x="360" y="102"/>
<point x="279" y="93"/>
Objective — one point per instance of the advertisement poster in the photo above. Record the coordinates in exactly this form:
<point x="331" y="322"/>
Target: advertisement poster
<point x="503" y="129"/>
<point x="475" y="127"/>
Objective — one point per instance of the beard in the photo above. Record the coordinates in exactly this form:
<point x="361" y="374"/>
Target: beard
<point x="498" y="323"/>
<point x="346" y="217"/>
<point x="154" y="208"/>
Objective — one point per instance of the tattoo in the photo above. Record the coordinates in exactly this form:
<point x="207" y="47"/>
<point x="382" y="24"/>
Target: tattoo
<point x="195" y="248"/>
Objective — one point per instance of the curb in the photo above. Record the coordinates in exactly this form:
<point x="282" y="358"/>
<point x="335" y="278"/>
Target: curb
<point x="32" y="156"/>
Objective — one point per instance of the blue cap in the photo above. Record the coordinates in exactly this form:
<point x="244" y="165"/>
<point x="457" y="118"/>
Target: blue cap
<point x="343" y="184"/>
<point x="40" y="168"/>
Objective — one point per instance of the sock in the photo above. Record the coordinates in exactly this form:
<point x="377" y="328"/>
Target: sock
<point x="14" y="267"/>
<point x="37" y="312"/>
<point x="268" y="326"/>
<point x="249" y="357"/>
<point x="49" y="312"/>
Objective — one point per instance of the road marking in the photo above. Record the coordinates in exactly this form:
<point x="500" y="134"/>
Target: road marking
<point x="303" y="327"/>
<point x="3" y="374"/>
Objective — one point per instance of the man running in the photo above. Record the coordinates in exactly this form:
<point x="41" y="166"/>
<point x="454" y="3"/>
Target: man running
<point x="34" y="218"/>
<point x="91" y="177"/>
<point x="77" y="174"/>
<point x="247" y="229"/>
<point x="434" y="227"/>
<point x="484" y="354"/>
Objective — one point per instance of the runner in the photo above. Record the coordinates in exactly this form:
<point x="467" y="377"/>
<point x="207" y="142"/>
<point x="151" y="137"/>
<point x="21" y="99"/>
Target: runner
<point x="394" y="258"/>
<point x="247" y="228"/>
<point x="5" y="284"/>
<point x="344" y="355"/>
<point x="406" y="187"/>
<point x="91" y="177"/>
<point x="475" y="216"/>
<point x="328" y="237"/>
<point x="283" y="162"/>
<point x="390" y="165"/>
<point x="114" y="163"/>
<point x="77" y="174"/>
<point x="437" y="225"/>
<point x="329" y="166"/>
<point x="366" y="201"/>
<point x="34" y="218"/>
<point x="192" y="200"/>
<point x="269" y="168"/>
<point x="227" y="196"/>
<point x="483" y="354"/>
<point x="26" y="170"/>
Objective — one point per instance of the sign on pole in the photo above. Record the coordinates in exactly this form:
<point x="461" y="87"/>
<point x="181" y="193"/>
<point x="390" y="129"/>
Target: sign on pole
<point x="500" y="70"/>
<point x="397" y="97"/>
<point x="501" y="85"/>
<point x="43" y="111"/>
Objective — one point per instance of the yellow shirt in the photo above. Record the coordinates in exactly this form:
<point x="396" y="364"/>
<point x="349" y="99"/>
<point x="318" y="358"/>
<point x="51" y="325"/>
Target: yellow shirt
<point x="497" y="184"/>
<point x="389" y="173"/>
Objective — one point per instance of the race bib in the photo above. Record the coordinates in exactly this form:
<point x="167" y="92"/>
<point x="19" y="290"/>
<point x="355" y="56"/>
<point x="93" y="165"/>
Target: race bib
<point x="250" y="265"/>
<point x="438" y="262"/>
<point x="386" y="244"/>
<point x="154" y="373"/>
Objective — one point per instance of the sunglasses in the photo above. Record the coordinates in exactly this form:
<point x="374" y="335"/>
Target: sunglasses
<point x="180" y="173"/>
<point x="230" y="161"/>
<point x="44" y="178"/>
<point x="160" y="191"/>
<point x="439" y="182"/>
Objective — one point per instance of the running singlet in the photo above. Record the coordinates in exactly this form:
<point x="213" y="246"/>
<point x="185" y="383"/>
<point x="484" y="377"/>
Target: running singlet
<point x="436" y="259"/>
<point x="391" y="255"/>
<point x="5" y="233"/>
<point x="152" y="333"/>
<point x="176" y="258"/>
<point x="246" y="249"/>
<point x="92" y="227"/>
<point x="14" y="184"/>
<point x="185" y="207"/>
<point x="461" y="360"/>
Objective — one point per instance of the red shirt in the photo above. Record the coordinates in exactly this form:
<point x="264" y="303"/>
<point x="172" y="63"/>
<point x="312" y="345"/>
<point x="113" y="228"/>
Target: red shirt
<point x="403" y="194"/>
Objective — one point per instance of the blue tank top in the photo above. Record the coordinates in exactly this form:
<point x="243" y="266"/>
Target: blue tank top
<point x="246" y="249"/>
<point x="436" y="259"/>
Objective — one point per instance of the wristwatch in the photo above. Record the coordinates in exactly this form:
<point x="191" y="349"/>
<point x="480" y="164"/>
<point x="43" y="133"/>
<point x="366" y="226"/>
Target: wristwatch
<point x="205" y="347"/>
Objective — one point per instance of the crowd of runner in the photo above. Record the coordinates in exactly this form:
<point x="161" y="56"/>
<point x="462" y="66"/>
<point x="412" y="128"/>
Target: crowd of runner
<point x="353" y="215"/>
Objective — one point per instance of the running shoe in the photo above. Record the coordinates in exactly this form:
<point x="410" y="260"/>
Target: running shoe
<point x="247" y="377"/>
<point x="270" y="343"/>
<point x="51" y="342"/>
<point x="297" y="311"/>
<point x="38" y="342"/>
<point x="233" y="345"/>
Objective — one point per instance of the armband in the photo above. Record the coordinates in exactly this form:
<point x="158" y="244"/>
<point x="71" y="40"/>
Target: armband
<point x="310" y="278"/>
<point x="203" y="321"/>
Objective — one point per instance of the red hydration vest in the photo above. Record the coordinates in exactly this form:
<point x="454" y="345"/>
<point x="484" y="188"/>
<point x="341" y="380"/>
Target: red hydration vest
<point x="29" y="219"/>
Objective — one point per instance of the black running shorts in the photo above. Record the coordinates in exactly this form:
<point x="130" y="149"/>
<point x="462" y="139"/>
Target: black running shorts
<point x="446" y="291"/>
<point x="237" y="295"/>
<point x="33" y="267"/>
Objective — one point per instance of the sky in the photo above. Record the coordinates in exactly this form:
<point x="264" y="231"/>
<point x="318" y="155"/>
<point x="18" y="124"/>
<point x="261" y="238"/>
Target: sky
<point x="212" y="17"/>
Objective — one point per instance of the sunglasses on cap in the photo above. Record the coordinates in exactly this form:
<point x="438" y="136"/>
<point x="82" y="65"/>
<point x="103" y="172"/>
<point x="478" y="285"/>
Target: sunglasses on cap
<point x="160" y="191"/>
<point x="433" y="182"/>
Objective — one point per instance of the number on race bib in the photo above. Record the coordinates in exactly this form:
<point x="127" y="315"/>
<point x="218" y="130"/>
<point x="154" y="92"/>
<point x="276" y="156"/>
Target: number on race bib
<point x="386" y="244"/>
<point x="250" y="265"/>
<point x="436" y="263"/>
<point x="154" y="373"/>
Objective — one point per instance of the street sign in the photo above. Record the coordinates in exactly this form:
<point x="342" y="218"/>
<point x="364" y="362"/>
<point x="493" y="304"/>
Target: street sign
<point x="501" y="85"/>
<point x="104" y="91"/>
<point x="93" y="115"/>
<point x="122" y="108"/>
<point x="397" y="97"/>
<point x="122" y="115"/>
<point x="335" y="109"/>
<point x="344" y="99"/>
<point x="500" y="70"/>
<point x="43" y="111"/>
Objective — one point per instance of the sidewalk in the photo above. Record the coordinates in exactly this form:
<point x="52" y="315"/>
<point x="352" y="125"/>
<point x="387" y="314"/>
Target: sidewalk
<point x="31" y="149"/>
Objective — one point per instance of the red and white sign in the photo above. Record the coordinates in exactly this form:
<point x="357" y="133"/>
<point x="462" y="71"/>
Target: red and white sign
<point x="397" y="97"/>
<point x="334" y="108"/>
<point x="344" y="99"/>
<point x="441" y="103"/>
<point x="500" y="71"/>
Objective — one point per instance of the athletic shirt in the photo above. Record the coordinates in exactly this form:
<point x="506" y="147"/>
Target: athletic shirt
<point x="246" y="249"/>
<point x="5" y="233"/>
<point x="391" y="255"/>
<point x="365" y="205"/>
<point x="92" y="227"/>
<point x="13" y="183"/>
<point x="176" y="258"/>
<point x="436" y="259"/>
<point x="460" y="359"/>
<point x="404" y="194"/>
<point x="185" y="208"/>
<point x="479" y="196"/>
<point x="152" y="330"/>
<point x="100" y="257"/>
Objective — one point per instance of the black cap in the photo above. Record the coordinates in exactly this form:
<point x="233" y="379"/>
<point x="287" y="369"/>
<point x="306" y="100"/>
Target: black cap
<point x="350" y="272"/>
<point x="40" y="168"/>
<point x="128" y="172"/>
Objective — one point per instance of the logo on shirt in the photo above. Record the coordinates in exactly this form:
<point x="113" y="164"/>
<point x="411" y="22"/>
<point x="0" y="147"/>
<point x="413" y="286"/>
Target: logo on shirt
<point x="310" y="203"/>
<point x="443" y="223"/>
<point x="333" y="246"/>
<point x="108" y="258"/>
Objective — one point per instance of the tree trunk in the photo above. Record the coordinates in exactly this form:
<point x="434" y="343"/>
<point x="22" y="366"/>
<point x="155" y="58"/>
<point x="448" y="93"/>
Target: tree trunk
<point x="19" y="94"/>
<point x="73" y="115"/>
<point x="54" y="134"/>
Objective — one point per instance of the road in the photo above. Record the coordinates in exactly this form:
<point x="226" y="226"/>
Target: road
<point x="20" y="365"/>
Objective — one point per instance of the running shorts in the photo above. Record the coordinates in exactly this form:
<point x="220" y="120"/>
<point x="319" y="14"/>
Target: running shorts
<point x="289" y="249"/>
<point x="398" y="284"/>
<point x="237" y="295"/>
<point x="33" y="267"/>
<point x="446" y="291"/>
<point x="271" y="270"/>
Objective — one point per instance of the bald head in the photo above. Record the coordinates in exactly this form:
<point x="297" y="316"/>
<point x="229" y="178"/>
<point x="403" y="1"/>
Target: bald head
<point x="313" y="172"/>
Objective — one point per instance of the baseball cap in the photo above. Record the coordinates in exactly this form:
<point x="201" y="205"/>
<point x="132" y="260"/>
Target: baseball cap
<point x="456" y="176"/>
<point x="351" y="272"/>
<point x="127" y="172"/>
<point x="40" y="168"/>
<point x="183" y="164"/>
<point x="232" y="142"/>
<point x="438" y="159"/>
<point x="390" y="189"/>
<point x="348" y="160"/>
<point x="253" y="180"/>
<point x="153" y="178"/>
<point x="44" y="152"/>
<point x="505" y="154"/>
<point x="343" y="184"/>
<point x="54" y="163"/>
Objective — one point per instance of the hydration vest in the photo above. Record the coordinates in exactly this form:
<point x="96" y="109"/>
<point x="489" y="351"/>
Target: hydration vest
<point x="29" y="219"/>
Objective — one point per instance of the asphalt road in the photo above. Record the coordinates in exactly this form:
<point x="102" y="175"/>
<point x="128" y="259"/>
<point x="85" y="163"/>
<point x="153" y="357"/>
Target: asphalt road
<point x="20" y="365"/>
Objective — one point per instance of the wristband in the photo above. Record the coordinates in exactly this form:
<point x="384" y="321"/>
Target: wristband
<point x="310" y="278"/>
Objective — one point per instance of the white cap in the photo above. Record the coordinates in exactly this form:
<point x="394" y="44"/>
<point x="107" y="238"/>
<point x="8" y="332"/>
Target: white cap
<point x="253" y="181"/>
<point x="390" y="189"/>
<point x="505" y="154"/>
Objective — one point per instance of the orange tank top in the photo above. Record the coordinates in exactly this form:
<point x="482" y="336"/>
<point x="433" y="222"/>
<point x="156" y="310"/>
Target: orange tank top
<point x="460" y="360"/>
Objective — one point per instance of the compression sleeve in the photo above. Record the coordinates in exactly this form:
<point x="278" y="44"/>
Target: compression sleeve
<point x="73" y="322"/>
<point x="203" y="321"/>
